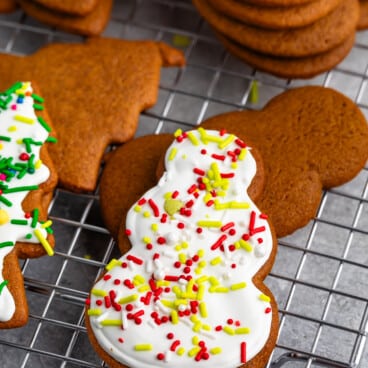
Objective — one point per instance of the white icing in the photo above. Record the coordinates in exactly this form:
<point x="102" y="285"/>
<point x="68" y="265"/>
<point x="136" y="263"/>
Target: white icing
<point x="17" y="130"/>
<point x="243" y="306"/>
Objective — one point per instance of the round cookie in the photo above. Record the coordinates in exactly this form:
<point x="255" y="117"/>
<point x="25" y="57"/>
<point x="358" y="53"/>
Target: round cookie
<point x="275" y="3"/>
<point x="316" y="38"/>
<point x="90" y="25"/>
<point x="193" y="293"/>
<point x="306" y="67"/>
<point x="81" y="7"/>
<point x="275" y="17"/>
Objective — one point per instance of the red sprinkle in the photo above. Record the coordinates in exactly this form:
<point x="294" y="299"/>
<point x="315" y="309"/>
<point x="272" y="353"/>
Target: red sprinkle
<point x="181" y="225"/>
<point x="192" y="189"/>
<point x="154" y="207"/>
<point x="24" y="156"/>
<point x="219" y="242"/>
<point x="107" y="301"/>
<point x="227" y="175"/>
<point x="227" y="226"/>
<point x="163" y="218"/>
<point x="198" y="171"/>
<point x="175" y="194"/>
<point x="161" y="240"/>
<point x="174" y="345"/>
<point x="218" y="157"/>
<point x="203" y="151"/>
<point x="142" y="201"/>
<point x="134" y="259"/>
<point x="161" y="356"/>
<point x="107" y="277"/>
<point x="263" y="216"/>
<point x="243" y="352"/>
<point x="268" y="310"/>
<point x="170" y="335"/>
<point x="240" y="143"/>
<point x="128" y="232"/>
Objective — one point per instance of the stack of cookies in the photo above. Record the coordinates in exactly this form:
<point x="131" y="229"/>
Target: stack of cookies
<point x="287" y="38"/>
<point x="84" y="17"/>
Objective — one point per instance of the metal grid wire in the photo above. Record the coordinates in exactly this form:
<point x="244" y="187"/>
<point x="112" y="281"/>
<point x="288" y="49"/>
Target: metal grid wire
<point x="320" y="278"/>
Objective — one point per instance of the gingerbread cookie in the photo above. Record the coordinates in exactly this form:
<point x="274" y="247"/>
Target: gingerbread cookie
<point x="8" y="6"/>
<point x="321" y="36"/>
<point x="91" y="24"/>
<point x="81" y="7"/>
<point x="27" y="180"/>
<point x="275" y="17"/>
<point x="305" y="67"/>
<point x="95" y="92"/>
<point x="300" y="134"/>
<point x="274" y="3"/>
<point x="363" y="20"/>
<point x="191" y="288"/>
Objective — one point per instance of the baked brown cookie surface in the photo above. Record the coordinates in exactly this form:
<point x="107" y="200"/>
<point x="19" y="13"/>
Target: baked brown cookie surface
<point x="305" y="67"/>
<point x="275" y="17"/>
<point x="210" y="248"/>
<point x="8" y="6"/>
<point x="103" y="84"/>
<point x="27" y="181"/>
<point x="363" y="20"/>
<point x="310" y="138"/>
<point x="321" y="36"/>
<point x="91" y="24"/>
<point x="81" y="7"/>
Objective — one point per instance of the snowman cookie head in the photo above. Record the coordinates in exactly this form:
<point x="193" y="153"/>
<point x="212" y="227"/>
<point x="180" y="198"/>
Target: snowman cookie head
<point x="185" y="293"/>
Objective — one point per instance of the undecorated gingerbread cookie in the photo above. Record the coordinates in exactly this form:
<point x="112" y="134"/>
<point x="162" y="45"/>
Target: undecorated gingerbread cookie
<point x="27" y="180"/>
<point x="95" y="92"/>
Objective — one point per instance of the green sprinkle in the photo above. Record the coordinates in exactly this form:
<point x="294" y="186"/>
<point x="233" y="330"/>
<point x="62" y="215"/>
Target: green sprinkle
<point x="51" y="139"/>
<point x="35" y="217"/>
<point x="18" y="222"/>
<point x="5" y="201"/>
<point x="13" y="88"/>
<point x="38" y="98"/>
<point x="28" y="236"/>
<point x="43" y="123"/>
<point x="5" y="138"/>
<point x="6" y="244"/>
<point x="254" y="95"/>
<point x="20" y="189"/>
<point x="3" y="284"/>
<point x="38" y="107"/>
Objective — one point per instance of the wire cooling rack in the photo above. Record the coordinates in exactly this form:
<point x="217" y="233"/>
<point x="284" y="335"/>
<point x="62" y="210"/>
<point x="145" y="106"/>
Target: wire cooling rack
<point x="320" y="278"/>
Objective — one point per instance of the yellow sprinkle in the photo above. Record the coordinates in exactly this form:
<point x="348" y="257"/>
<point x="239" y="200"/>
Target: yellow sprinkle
<point x="99" y="292"/>
<point x="197" y="326"/>
<point x="138" y="280"/>
<point x="172" y="206"/>
<point x="216" y="350"/>
<point x="195" y="340"/>
<point x="242" y="154"/>
<point x="228" y="330"/>
<point x="194" y="318"/>
<point x="178" y="133"/>
<point x="144" y="288"/>
<point x="46" y="245"/>
<point x="24" y="119"/>
<point x="174" y="317"/>
<point x="167" y="195"/>
<point x="234" y="165"/>
<point x="182" y="257"/>
<point x="168" y="303"/>
<point x="203" y="309"/>
<point x="154" y="227"/>
<point x="214" y="281"/>
<point x="224" y="143"/>
<point x="180" y="351"/>
<point x="206" y="327"/>
<point x="160" y="283"/>
<point x="143" y="347"/>
<point x="242" y="330"/>
<point x="240" y="285"/>
<point x="200" y="253"/>
<point x="193" y="139"/>
<point x="178" y="302"/>
<point x="177" y="291"/>
<point x="137" y="208"/>
<point x="219" y="289"/>
<point x="216" y="261"/>
<point x="221" y="206"/>
<point x="94" y="312"/>
<point x="111" y="322"/>
<point x="204" y="135"/>
<point x="113" y="263"/>
<point x="46" y="224"/>
<point x="13" y="128"/>
<point x="265" y="298"/>
<point x="173" y="153"/>
<point x="202" y="279"/>
<point x="128" y="299"/>
<point x="209" y="223"/>
<point x="184" y="156"/>
<point x="4" y="217"/>
<point x="1" y="146"/>
<point x="38" y="164"/>
<point x="237" y="245"/>
<point x="184" y="245"/>
<point x="146" y="214"/>
<point x="245" y="245"/>
<point x="202" y="264"/>
<point x="213" y="138"/>
<point x="146" y="239"/>
<point x="239" y="205"/>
